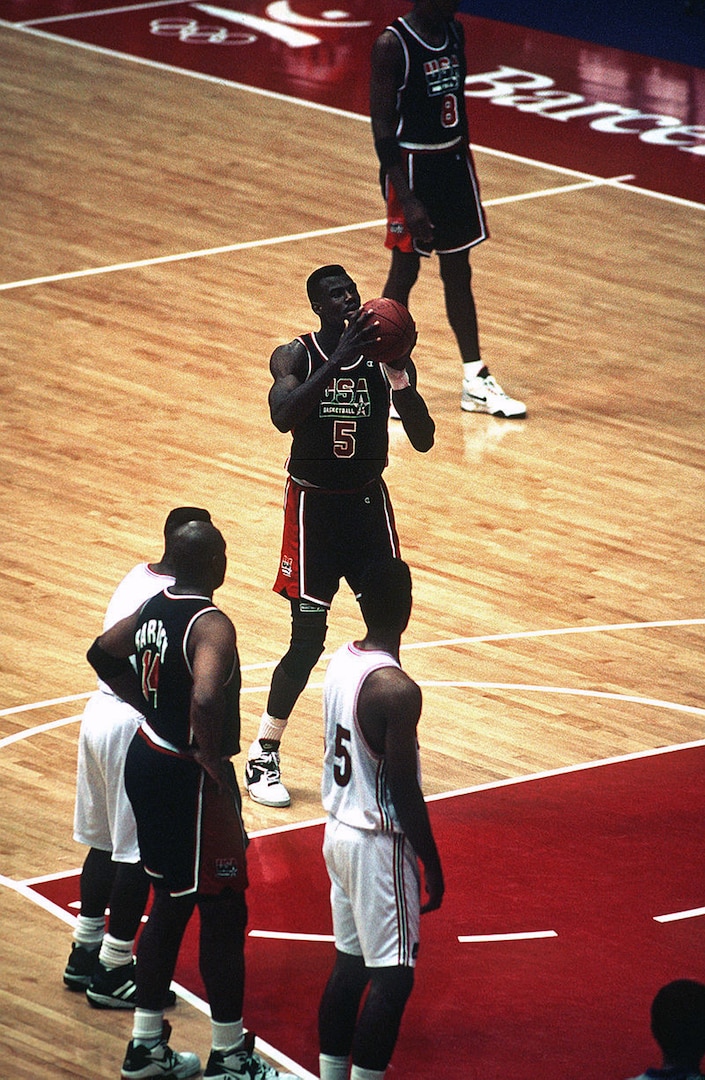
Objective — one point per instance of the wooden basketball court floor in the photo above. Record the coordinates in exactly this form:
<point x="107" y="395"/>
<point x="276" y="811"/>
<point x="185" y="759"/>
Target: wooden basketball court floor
<point x="156" y="235"/>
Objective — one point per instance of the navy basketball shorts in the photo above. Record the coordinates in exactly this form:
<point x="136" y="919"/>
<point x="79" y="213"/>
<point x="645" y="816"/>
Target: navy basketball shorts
<point x="446" y="183"/>
<point x="329" y="535"/>
<point x="191" y="835"/>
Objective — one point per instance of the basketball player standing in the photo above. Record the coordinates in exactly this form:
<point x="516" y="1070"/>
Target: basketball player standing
<point x="420" y="129"/>
<point x="338" y="515"/>
<point x="377" y="831"/>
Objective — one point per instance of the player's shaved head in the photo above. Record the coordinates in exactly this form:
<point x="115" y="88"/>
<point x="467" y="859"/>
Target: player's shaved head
<point x="197" y="553"/>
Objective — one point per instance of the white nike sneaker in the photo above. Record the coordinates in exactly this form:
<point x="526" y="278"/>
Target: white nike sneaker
<point x="242" y="1064"/>
<point x="484" y="394"/>
<point x="263" y="778"/>
<point x="141" y="1062"/>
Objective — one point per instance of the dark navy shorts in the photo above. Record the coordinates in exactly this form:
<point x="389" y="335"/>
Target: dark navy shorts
<point x="446" y="183"/>
<point x="329" y="535"/>
<point x="190" y="834"/>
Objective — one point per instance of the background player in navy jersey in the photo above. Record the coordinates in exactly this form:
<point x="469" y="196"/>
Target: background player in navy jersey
<point x="420" y="129"/>
<point x="101" y="961"/>
<point x="338" y="515"/>
<point x="182" y="787"/>
<point x="678" y="1026"/>
<point x="377" y="831"/>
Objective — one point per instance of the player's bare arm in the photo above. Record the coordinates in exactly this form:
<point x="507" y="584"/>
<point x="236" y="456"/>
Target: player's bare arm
<point x="212" y="652"/>
<point x="387" y="75"/>
<point x="416" y="420"/>
<point x="109" y="657"/>
<point x="387" y="63"/>
<point x="389" y="708"/>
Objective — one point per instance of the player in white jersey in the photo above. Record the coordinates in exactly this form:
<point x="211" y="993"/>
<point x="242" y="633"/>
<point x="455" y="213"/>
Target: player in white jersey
<point x="101" y="961"/>
<point x="377" y="832"/>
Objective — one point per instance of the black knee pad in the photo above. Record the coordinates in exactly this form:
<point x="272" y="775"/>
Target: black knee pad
<point x="395" y="985"/>
<point x="308" y="634"/>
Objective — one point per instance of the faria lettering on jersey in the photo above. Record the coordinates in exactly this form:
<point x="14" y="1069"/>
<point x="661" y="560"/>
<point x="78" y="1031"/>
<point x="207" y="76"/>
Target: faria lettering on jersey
<point x="442" y="75"/>
<point x="152" y="633"/>
<point x="346" y="396"/>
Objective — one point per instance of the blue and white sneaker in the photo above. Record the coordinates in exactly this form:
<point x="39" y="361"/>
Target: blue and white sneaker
<point x="80" y="967"/>
<point x="115" y="988"/>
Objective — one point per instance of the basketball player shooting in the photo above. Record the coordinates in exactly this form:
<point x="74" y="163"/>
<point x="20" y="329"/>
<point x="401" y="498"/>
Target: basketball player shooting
<point x="338" y="515"/>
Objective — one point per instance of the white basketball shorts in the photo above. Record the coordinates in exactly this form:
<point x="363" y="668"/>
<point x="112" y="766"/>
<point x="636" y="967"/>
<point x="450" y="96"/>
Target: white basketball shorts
<point x="375" y="894"/>
<point x="103" y="816"/>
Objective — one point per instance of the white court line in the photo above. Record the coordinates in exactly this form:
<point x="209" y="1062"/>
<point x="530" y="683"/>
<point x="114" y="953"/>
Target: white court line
<point x="613" y="181"/>
<point x="433" y="684"/>
<point x="22" y="889"/>
<point x="43" y="704"/>
<point x="202" y="76"/>
<point x="511" y="636"/>
<point x="675" y="199"/>
<point x="77" y="15"/>
<point x="18" y="736"/>
<point x="271" y="241"/>
<point x="182" y="256"/>
<point x="280" y="935"/>
<point x="30" y="894"/>
<point x="635" y="699"/>
<point x="31" y="28"/>
<point x="528" y="935"/>
<point x="557" y="631"/>
<point x="12" y="710"/>
<point x="676" y="916"/>
<point x="282" y="1061"/>
<point x="39" y="729"/>
<point x="565" y="770"/>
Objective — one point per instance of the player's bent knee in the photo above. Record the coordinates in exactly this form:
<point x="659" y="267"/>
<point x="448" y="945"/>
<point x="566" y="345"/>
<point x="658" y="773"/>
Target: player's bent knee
<point x="300" y="660"/>
<point x="308" y="635"/>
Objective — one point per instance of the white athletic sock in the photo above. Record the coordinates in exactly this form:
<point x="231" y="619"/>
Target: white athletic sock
<point x="147" y="1027"/>
<point x="271" y="728"/>
<point x="115" y="953"/>
<point x="89" y="932"/>
<point x="226" y="1037"/>
<point x="332" y="1068"/>
<point x="358" y="1073"/>
<point x="472" y="369"/>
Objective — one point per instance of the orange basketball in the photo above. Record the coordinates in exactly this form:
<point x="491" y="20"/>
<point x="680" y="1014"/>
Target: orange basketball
<point x="397" y="331"/>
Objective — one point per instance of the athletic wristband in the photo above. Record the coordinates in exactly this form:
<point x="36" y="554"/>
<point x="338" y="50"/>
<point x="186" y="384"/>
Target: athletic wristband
<point x="388" y="151"/>
<point x="398" y="380"/>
